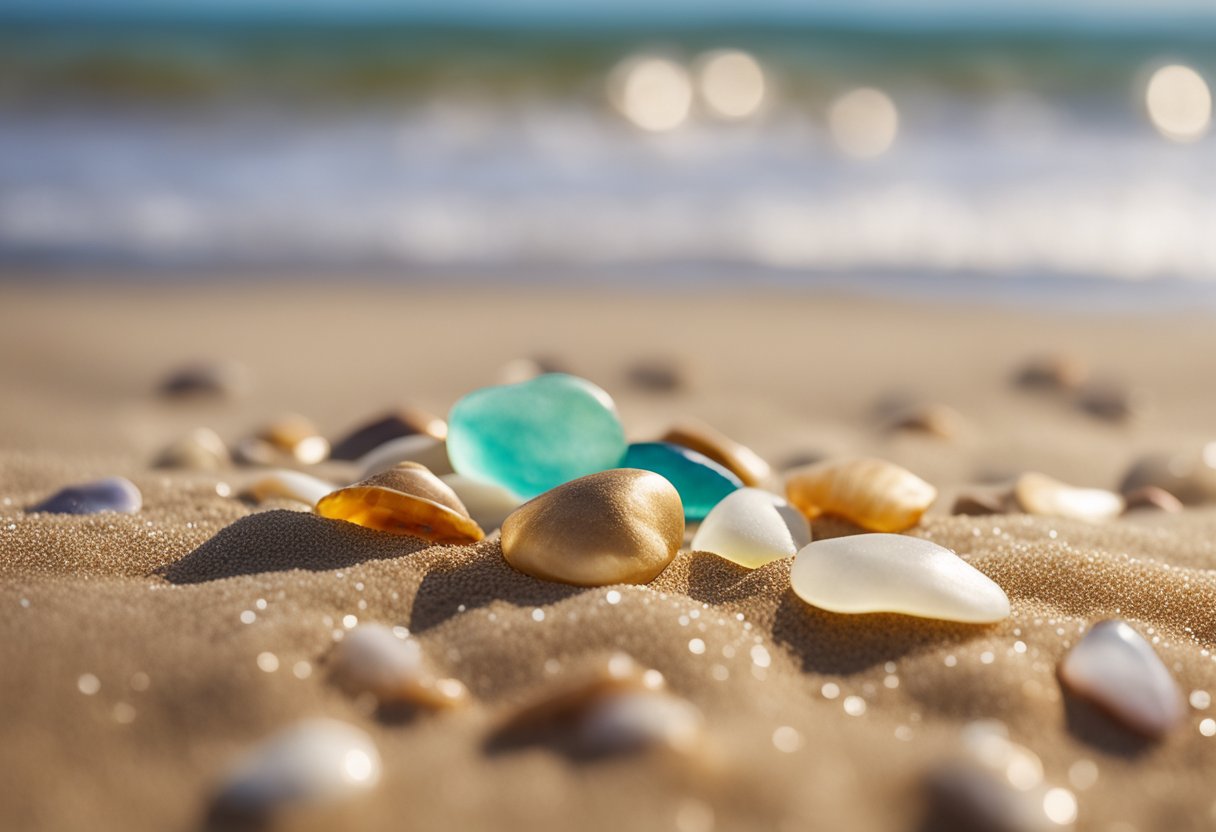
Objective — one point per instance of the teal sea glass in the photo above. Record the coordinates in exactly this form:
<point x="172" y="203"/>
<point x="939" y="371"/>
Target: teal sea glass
<point x="535" y="435"/>
<point x="702" y="483"/>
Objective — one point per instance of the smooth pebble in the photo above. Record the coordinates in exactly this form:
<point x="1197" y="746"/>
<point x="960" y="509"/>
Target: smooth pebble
<point x="289" y="485"/>
<point x="753" y="527"/>
<point x="423" y="449"/>
<point x="1042" y="495"/>
<point x="618" y="526"/>
<point x="488" y="504"/>
<point x="110" y="494"/>
<point x="701" y="482"/>
<point x="895" y="573"/>
<point x="535" y="435"/>
<point x="740" y="460"/>
<point x="1115" y="668"/>
<point x="403" y="421"/>
<point x="372" y="659"/>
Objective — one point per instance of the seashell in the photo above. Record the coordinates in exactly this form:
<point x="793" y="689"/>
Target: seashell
<point x="490" y="505"/>
<point x="701" y="482"/>
<point x="425" y="450"/>
<point x="752" y="527"/>
<point x="371" y="659"/>
<point x="1152" y="498"/>
<point x="938" y="420"/>
<point x="533" y="436"/>
<point x="740" y="460"/>
<point x="1052" y="372"/>
<point x="404" y="421"/>
<point x="1115" y="668"/>
<point x="109" y="494"/>
<point x="289" y="485"/>
<point x="995" y="785"/>
<point x="312" y="763"/>
<point x="207" y="378"/>
<point x="1189" y="476"/>
<point x="408" y="500"/>
<point x="201" y="450"/>
<point x="618" y="526"/>
<point x="1040" y="494"/>
<point x="895" y="573"/>
<point x="872" y="493"/>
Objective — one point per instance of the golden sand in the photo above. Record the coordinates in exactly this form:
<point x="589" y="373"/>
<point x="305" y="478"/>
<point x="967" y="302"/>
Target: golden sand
<point x="207" y="623"/>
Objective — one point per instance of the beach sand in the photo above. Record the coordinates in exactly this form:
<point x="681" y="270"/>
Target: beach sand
<point x="151" y="604"/>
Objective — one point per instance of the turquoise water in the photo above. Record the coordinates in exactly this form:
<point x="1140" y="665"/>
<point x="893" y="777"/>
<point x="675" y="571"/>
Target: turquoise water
<point x="484" y="142"/>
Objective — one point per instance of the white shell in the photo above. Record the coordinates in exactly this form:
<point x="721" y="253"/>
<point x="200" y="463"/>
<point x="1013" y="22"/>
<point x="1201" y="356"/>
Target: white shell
<point x="315" y="761"/>
<point x="420" y="448"/>
<point x="290" y="485"/>
<point x="1042" y="495"/>
<point x="639" y="720"/>
<point x="1118" y="670"/>
<point x="752" y="527"/>
<point x="488" y="504"/>
<point x="895" y="573"/>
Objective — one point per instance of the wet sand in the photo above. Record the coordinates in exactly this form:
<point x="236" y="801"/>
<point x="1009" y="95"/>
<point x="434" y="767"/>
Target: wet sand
<point x="151" y="604"/>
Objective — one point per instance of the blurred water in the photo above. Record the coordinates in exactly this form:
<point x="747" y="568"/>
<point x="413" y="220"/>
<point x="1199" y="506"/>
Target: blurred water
<point x="405" y="148"/>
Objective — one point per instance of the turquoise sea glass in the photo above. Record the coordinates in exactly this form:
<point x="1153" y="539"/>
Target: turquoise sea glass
<point x="535" y="435"/>
<point x="702" y="483"/>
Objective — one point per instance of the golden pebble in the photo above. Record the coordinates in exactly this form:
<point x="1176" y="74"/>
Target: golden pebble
<point x="403" y="421"/>
<point x="1040" y="494"/>
<point x="407" y="500"/>
<point x="740" y="460"/>
<point x="872" y="493"/>
<point x="201" y="450"/>
<point x="617" y="526"/>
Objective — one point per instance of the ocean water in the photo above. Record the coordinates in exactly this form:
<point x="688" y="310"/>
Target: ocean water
<point x="1015" y="152"/>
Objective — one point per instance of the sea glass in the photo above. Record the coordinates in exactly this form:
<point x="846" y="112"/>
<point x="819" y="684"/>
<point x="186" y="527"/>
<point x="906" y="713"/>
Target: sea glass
<point x="702" y="483"/>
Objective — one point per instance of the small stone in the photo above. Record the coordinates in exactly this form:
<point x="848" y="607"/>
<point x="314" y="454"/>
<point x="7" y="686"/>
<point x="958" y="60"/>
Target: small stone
<point x="1152" y="498"/>
<point x="658" y="375"/>
<point x="109" y="494"/>
<point x="1190" y="476"/>
<point x="422" y="449"/>
<point x="618" y="526"/>
<point x="525" y="369"/>
<point x="1041" y="495"/>
<point x="404" y="421"/>
<point x="297" y="437"/>
<point x="406" y="500"/>
<point x="609" y="706"/>
<point x="938" y="420"/>
<point x="740" y="460"/>
<point x="372" y="659"/>
<point x="872" y="493"/>
<point x="994" y="785"/>
<point x="535" y="435"/>
<point x="1111" y="401"/>
<point x="313" y="763"/>
<point x="207" y="378"/>
<point x="1115" y="668"/>
<point x="753" y="527"/>
<point x="895" y="573"/>
<point x="199" y="450"/>
<point x="488" y="504"/>
<point x="289" y="485"/>
<point x="981" y="503"/>
<point x="1052" y="372"/>
<point x="701" y="482"/>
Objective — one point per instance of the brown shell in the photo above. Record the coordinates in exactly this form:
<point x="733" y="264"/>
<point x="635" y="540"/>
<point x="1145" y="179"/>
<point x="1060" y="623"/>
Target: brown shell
<point x="739" y="459"/>
<point x="403" y="421"/>
<point x="875" y="494"/>
<point x="618" y="526"/>
<point x="407" y="500"/>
